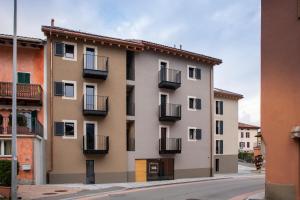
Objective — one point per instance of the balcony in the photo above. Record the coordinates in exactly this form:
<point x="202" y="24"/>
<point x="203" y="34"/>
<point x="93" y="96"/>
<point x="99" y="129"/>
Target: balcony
<point x="170" y="146"/>
<point x="130" y="109"/>
<point x="97" y="144"/>
<point x="94" y="105"/>
<point x="169" y="112"/>
<point x="27" y="94"/>
<point x="169" y="78"/>
<point x="95" y="66"/>
<point x="36" y="129"/>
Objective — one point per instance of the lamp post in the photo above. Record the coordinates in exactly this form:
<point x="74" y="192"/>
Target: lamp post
<point x="14" y="111"/>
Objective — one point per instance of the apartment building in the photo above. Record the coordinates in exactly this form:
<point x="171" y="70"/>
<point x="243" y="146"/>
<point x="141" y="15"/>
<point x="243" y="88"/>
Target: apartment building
<point x="225" y="131"/>
<point x="30" y="110"/>
<point x="248" y="137"/>
<point x="280" y="109"/>
<point x="126" y="110"/>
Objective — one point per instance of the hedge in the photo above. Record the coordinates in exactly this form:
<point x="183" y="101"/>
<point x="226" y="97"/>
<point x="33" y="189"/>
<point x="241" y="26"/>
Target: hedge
<point x="248" y="157"/>
<point x="5" y="172"/>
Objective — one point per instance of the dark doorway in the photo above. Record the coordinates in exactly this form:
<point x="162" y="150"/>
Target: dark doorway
<point x="90" y="136"/>
<point x="163" y="137"/>
<point x="160" y="169"/>
<point x="90" y="173"/>
<point x="163" y="104"/>
<point x="90" y="97"/>
<point x="90" y="58"/>
<point x="217" y="165"/>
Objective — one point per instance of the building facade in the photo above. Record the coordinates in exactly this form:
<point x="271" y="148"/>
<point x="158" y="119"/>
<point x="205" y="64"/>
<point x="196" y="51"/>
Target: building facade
<point x="248" y="137"/>
<point x="280" y="113"/>
<point x="126" y="110"/>
<point x="225" y="131"/>
<point x="30" y="109"/>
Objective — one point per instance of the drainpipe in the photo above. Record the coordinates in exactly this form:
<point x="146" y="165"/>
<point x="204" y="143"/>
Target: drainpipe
<point x="211" y="121"/>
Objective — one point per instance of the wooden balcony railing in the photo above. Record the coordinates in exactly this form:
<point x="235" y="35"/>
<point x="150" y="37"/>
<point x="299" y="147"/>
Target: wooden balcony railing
<point x="36" y="129"/>
<point x="25" y="92"/>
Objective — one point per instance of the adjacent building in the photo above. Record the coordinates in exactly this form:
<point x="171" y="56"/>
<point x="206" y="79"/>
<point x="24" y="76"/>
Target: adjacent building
<point x="248" y="137"/>
<point x="280" y="108"/>
<point x="225" y="131"/>
<point x="126" y="110"/>
<point x="30" y="106"/>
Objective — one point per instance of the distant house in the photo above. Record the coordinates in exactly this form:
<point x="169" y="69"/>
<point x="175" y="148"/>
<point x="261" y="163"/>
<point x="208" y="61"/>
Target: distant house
<point x="248" y="137"/>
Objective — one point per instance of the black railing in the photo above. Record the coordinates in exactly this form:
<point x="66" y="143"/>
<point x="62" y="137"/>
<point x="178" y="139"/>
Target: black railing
<point x="36" y="129"/>
<point x="96" y="144"/>
<point x="94" y="62"/>
<point x="170" y="145"/>
<point x="130" y="109"/>
<point x="130" y="144"/>
<point x="94" y="104"/>
<point x="170" y="111"/>
<point x="170" y="75"/>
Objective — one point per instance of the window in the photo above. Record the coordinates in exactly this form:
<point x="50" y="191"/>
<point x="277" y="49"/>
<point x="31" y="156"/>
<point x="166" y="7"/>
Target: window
<point x="248" y="144"/>
<point x="66" y="89"/>
<point x="219" y="146"/>
<point x="194" y="104"/>
<point x="219" y="107"/>
<point x="66" y="50"/>
<point x="242" y="145"/>
<point x="194" y="73"/>
<point x="24" y="77"/>
<point x="194" y="134"/>
<point x="66" y="128"/>
<point x="247" y="135"/>
<point x="219" y="127"/>
<point x="242" y="134"/>
<point x="5" y="147"/>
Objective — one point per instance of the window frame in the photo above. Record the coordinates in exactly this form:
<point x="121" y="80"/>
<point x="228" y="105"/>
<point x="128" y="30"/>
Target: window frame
<point x="75" y="89"/>
<point x="24" y="73"/>
<point x="219" y="147"/>
<point x="194" y="103"/>
<point x="194" y="134"/>
<point x="194" y="73"/>
<point x="96" y="55"/>
<point x="75" y="129"/>
<point x="95" y="133"/>
<point x="2" y="147"/>
<point x="75" y="51"/>
<point x="168" y="130"/>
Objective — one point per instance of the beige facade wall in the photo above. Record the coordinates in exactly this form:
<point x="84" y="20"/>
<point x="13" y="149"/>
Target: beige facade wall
<point x="68" y="157"/>
<point x="252" y="139"/>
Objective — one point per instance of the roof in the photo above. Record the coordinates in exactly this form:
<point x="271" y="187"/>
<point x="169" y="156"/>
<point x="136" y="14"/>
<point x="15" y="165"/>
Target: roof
<point x="248" y="126"/>
<point x="34" y="42"/>
<point x="227" y="94"/>
<point x="136" y="45"/>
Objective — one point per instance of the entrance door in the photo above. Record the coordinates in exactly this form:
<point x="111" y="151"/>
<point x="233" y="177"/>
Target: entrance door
<point x="163" y="104"/>
<point x="90" y="173"/>
<point x="90" y="136"/>
<point x="90" y="58"/>
<point x="217" y="165"/>
<point x="90" y="97"/>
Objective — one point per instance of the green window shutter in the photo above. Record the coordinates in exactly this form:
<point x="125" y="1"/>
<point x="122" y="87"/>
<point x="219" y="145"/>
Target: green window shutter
<point x="23" y="77"/>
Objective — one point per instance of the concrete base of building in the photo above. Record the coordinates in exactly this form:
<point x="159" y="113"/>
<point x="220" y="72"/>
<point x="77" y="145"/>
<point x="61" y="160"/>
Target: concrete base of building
<point x="280" y="191"/>
<point x="191" y="173"/>
<point x="227" y="163"/>
<point x="109" y="177"/>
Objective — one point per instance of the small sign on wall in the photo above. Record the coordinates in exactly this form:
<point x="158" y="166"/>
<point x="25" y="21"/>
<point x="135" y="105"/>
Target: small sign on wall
<point x="26" y="167"/>
<point x="153" y="168"/>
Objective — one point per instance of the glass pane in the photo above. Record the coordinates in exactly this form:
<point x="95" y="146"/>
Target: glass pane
<point x="191" y="134"/>
<point x="69" y="90"/>
<point x="90" y="104"/>
<point x="69" y="51"/>
<point x="7" y="147"/>
<point x="191" y="103"/>
<point x="90" y="58"/>
<point x="191" y="72"/>
<point x="69" y="129"/>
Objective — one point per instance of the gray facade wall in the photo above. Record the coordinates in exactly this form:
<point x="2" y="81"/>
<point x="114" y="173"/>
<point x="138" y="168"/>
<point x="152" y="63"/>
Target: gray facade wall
<point x="195" y="155"/>
<point x="227" y="163"/>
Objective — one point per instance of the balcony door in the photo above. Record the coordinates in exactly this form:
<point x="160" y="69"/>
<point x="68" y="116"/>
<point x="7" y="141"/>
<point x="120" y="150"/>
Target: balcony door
<point x="90" y="136"/>
<point x="163" y="104"/>
<point x="163" y="136"/>
<point x="90" y="58"/>
<point x="90" y="97"/>
<point x="163" y="70"/>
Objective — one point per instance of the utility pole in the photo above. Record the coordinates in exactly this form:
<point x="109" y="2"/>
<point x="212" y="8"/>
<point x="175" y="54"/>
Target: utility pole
<point x="14" y="193"/>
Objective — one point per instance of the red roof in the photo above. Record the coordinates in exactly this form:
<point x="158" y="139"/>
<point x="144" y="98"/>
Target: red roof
<point x="248" y="126"/>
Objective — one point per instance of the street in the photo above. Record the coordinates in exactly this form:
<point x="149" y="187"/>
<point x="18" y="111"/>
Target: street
<point x="206" y="190"/>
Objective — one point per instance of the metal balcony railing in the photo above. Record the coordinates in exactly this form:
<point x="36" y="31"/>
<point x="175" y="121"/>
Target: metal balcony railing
<point x="97" y="144"/>
<point x="95" y="66"/>
<point x="170" y="145"/>
<point x="169" y="112"/>
<point x="169" y="78"/>
<point x="95" y="105"/>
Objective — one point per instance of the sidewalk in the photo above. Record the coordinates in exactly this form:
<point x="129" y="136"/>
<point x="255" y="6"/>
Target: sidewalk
<point x="258" y="196"/>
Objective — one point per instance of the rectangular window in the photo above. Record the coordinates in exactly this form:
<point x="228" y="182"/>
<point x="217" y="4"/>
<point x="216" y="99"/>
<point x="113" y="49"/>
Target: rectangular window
<point x="66" y="89"/>
<point x="219" y="127"/>
<point x="242" y="134"/>
<point x="242" y="145"/>
<point x="194" y="73"/>
<point x="219" y="107"/>
<point x="69" y="90"/>
<point x="194" y="134"/>
<point x="247" y="135"/>
<point x="69" y="129"/>
<point x="66" y="50"/>
<point x="69" y="51"/>
<point x="219" y="146"/>
<point x="66" y="128"/>
<point x="24" y="77"/>
<point x="194" y="103"/>
<point x="248" y="144"/>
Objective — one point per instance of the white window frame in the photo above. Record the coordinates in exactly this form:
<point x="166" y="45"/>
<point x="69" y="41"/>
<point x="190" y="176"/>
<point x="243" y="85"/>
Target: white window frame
<point x="75" y="129"/>
<point x="188" y="77"/>
<point x="96" y="93"/>
<point x="168" y="131"/>
<point x="188" y="103"/>
<point x="218" y="103"/>
<point x="2" y="148"/>
<point x="95" y="133"/>
<point x="96" y="55"/>
<point x="219" y="147"/>
<point x="192" y="140"/>
<point x="75" y="90"/>
<point x="161" y="60"/>
<point x="75" y="51"/>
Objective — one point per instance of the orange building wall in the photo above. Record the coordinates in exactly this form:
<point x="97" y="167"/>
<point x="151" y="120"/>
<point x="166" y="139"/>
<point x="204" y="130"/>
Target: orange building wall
<point x="280" y="96"/>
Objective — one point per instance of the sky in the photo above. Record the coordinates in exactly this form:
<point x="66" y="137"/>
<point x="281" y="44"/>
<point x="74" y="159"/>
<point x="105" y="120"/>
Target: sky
<point x="225" y="29"/>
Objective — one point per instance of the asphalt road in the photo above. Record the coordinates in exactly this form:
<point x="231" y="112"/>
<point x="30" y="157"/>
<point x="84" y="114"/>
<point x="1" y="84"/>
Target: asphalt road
<point x="207" y="190"/>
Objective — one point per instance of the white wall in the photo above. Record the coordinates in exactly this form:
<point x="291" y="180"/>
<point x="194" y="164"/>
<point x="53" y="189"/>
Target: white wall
<point x="252" y="139"/>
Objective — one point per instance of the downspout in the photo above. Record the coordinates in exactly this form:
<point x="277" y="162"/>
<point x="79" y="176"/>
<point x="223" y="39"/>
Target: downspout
<point x="211" y="122"/>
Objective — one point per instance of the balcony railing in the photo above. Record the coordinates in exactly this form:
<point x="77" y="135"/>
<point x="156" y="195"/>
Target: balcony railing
<point x="36" y="129"/>
<point x="27" y="94"/>
<point x="95" y="105"/>
<point x="169" y="78"/>
<point x="130" y="109"/>
<point x="130" y="144"/>
<point x="95" y="66"/>
<point x="170" y="145"/>
<point x="97" y="144"/>
<point x="169" y="112"/>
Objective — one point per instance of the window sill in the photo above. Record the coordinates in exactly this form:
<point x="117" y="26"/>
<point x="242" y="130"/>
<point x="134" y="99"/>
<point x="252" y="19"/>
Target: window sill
<point x="69" y="59"/>
<point x="69" y="137"/>
<point x="69" y="98"/>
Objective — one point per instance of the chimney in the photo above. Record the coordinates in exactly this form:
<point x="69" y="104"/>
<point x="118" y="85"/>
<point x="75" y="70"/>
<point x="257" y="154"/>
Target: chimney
<point x="180" y="46"/>
<point x="52" y="22"/>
